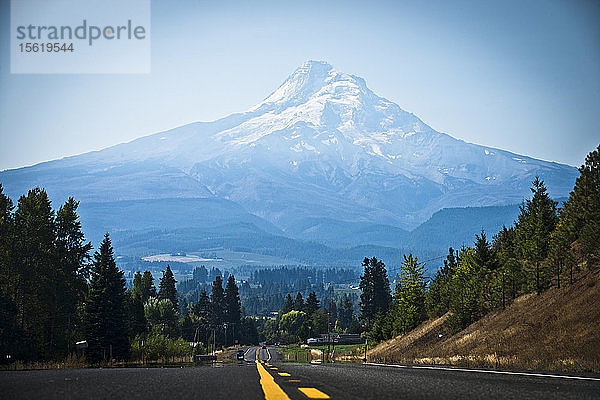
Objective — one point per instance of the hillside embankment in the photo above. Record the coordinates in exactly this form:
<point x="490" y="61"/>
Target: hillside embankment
<point x="558" y="330"/>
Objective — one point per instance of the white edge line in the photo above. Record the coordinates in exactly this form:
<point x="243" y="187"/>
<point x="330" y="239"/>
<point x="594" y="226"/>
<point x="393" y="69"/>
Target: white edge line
<point x="269" y="353"/>
<point x="486" y="371"/>
<point x="246" y="353"/>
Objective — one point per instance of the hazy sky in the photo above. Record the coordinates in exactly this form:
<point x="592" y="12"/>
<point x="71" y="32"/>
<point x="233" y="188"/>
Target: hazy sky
<point x="519" y="75"/>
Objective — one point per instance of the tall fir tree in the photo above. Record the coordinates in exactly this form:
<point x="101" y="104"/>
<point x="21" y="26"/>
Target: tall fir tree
<point x="8" y="271"/>
<point x="147" y="288"/>
<point x="217" y="302"/>
<point x="167" y="289"/>
<point x="72" y="270"/>
<point x="36" y="281"/>
<point x="437" y="298"/>
<point x="106" y="318"/>
<point x="375" y="286"/>
<point x="233" y="309"/>
<point x="484" y="255"/>
<point x="288" y="304"/>
<point x="298" y="302"/>
<point x="536" y="222"/>
<point x="580" y="218"/>
<point x="346" y="312"/>
<point x="409" y="296"/>
<point x="312" y="304"/>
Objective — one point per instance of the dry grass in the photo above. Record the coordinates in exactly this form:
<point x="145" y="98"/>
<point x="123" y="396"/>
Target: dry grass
<point x="557" y="330"/>
<point x="70" y="362"/>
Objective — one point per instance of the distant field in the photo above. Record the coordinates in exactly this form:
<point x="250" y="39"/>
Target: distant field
<point x="183" y="259"/>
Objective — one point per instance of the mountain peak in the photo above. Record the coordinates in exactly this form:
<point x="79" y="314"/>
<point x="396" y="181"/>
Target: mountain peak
<point x="305" y="81"/>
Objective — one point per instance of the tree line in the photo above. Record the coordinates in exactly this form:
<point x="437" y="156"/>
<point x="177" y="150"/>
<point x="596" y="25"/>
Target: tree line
<point x="545" y="246"/>
<point x="54" y="292"/>
<point x="299" y="319"/>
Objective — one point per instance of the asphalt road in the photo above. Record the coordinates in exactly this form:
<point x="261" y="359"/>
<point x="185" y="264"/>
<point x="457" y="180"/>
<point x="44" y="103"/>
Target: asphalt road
<point x="273" y="379"/>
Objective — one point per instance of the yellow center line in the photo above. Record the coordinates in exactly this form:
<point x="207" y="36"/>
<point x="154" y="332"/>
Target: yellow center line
<point x="313" y="393"/>
<point x="271" y="389"/>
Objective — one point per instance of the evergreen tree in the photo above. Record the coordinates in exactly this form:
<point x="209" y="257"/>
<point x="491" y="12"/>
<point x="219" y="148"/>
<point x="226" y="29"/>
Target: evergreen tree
<point x="147" y="288"/>
<point x="35" y="284"/>
<point x="72" y="269"/>
<point x="536" y="221"/>
<point x="161" y="316"/>
<point x="375" y="297"/>
<point x="233" y="307"/>
<point x="217" y="302"/>
<point x="510" y="272"/>
<point x="437" y="298"/>
<point x="135" y="314"/>
<point x="9" y="275"/>
<point x="201" y="317"/>
<point x="288" y="304"/>
<point x="466" y="292"/>
<point x="137" y="285"/>
<point x="484" y="255"/>
<point x="312" y="304"/>
<point x="200" y="274"/>
<point x="298" y="303"/>
<point x="409" y="306"/>
<point x="166" y="288"/>
<point x="580" y="218"/>
<point x="346" y="312"/>
<point x="106" y="322"/>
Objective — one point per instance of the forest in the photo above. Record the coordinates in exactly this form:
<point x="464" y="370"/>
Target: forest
<point x="545" y="246"/>
<point x="56" y="291"/>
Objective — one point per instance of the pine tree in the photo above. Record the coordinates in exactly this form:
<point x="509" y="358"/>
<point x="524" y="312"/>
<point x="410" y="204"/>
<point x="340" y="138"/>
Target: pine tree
<point x="484" y="255"/>
<point x="233" y="307"/>
<point x="437" y="298"/>
<point x="410" y="295"/>
<point x="536" y="221"/>
<point x="106" y="322"/>
<point x="147" y="288"/>
<point x="298" y="303"/>
<point x="135" y="314"/>
<point x="465" y="305"/>
<point x="72" y="270"/>
<point x="35" y="289"/>
<point x="312" y="304"/>
<point x="375" y="297"/>
<point x="166" y="288"/>
<point x="346" y="312"/>
<point x="137" y="285"/>
<point x="200" y="274"/>
<point x="201" y="315"/>
<point x="580" y="218"/>
<point x="510" y="272"/>
<point x="8" y="270"/>
<point x="288" y="304"/>
<point x="217" y="302"/>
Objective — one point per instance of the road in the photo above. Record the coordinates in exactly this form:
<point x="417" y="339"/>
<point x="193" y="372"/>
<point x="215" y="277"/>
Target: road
<point x="263" y="375"/>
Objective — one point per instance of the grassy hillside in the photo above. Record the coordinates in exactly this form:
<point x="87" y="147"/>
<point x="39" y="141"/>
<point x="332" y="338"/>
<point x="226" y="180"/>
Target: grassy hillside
<point x="557" y="330"/>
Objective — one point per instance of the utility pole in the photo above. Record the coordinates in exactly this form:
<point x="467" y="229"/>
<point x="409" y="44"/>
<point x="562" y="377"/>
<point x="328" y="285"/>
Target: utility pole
<point x="328" y="334"/>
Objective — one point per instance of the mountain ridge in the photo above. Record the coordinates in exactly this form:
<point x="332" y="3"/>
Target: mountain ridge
<point x="322" y="146"/>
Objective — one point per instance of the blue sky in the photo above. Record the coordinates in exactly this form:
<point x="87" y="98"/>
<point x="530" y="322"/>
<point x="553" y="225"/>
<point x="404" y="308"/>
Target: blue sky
<point x="519" y="75"/>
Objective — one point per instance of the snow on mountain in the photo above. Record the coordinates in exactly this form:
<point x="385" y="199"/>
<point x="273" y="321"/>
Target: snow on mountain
<point x="322" y="145"/>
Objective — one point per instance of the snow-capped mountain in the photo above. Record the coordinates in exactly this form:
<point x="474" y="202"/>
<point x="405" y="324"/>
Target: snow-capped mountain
<point x="321" y="147"/>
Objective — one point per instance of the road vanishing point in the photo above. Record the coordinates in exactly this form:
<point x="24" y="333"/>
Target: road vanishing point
<point x="262" y="375"/>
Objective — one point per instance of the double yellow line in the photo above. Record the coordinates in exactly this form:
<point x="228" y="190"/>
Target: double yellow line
<point x="274" y="392"/>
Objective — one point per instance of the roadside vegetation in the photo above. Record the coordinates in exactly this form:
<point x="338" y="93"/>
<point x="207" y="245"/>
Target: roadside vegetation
<point x="539" y="261"/>
<point x="62" y="303"/>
